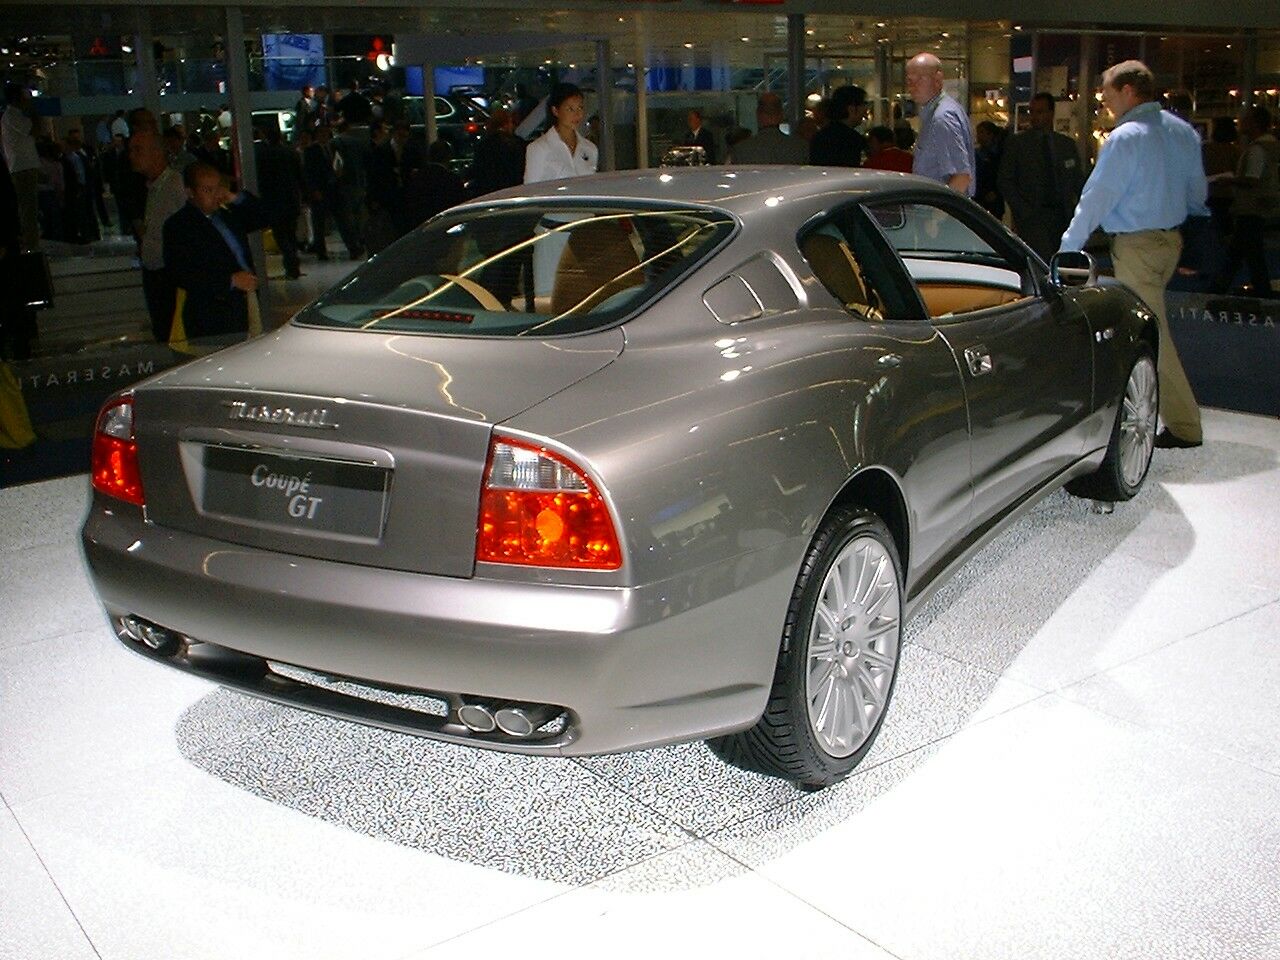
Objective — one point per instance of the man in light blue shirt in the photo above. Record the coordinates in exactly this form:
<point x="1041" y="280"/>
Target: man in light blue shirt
<point x="944" y="151"/>
<point x="1149" y="178"/>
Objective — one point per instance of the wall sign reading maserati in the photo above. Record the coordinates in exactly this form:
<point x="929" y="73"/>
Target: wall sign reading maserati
<point x="317" y="418"/>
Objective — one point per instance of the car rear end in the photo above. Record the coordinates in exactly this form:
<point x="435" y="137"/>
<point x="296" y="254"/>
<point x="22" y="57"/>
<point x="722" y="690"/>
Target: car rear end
<point x="335" y="517"/>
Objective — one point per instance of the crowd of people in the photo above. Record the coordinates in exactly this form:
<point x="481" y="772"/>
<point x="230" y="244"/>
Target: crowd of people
<point x="355" y="163"/>
<point x="1031" y="178"/>
<point x="1149" y="190"/>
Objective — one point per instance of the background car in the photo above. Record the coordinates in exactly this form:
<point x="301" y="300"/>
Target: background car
<point x="607" y="463"/>
<point x="459" y="120"/>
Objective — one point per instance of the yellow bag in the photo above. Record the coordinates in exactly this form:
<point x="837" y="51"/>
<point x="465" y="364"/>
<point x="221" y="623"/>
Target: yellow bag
<point x="255" y="315"/>
<point x="178" y="341"/>
<point x="15" y="422"/>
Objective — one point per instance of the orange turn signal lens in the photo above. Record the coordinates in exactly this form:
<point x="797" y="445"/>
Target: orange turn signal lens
<point x="115" y="453"/>
<point x="539" y="509"/>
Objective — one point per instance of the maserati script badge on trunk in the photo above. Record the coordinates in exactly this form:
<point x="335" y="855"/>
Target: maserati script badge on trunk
<point x="317" y="418"/>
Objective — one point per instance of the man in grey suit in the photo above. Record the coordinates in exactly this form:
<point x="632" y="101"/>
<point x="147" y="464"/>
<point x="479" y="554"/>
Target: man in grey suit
<point x="1041" y="177"/>
<point x="769" y="145"/>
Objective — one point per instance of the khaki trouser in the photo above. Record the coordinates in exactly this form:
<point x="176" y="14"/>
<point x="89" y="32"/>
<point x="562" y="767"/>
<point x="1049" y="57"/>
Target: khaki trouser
<point x="1144" y="262"/>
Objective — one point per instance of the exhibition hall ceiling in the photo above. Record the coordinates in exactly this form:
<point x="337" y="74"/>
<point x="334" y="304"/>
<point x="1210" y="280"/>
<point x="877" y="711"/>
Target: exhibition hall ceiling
<point x="699" y="35"/>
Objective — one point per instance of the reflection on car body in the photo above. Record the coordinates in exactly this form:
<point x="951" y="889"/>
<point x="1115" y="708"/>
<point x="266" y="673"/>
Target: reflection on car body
<point x="620" y="461"/>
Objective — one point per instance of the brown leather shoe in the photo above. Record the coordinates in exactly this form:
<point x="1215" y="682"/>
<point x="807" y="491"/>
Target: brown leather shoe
<point x="1167" y="441"/>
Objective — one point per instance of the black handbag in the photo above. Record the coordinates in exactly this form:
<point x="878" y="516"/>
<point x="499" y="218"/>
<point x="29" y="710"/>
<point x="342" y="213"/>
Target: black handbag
<point x="35" y="281"/>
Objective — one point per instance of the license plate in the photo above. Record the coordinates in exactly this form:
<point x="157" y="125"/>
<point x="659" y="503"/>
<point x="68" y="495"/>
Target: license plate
<point x="298" y="493"/>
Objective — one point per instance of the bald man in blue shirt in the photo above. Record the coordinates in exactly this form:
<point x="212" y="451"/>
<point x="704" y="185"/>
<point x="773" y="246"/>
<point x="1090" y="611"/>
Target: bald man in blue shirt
<point x="1149" y="178"/>
<point x="944" y="151"/>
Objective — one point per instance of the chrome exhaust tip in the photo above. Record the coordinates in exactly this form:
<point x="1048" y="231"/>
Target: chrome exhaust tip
<point x="521" y="721"/>
<point x="159" y="639"/>
<point x="477" y="718"/>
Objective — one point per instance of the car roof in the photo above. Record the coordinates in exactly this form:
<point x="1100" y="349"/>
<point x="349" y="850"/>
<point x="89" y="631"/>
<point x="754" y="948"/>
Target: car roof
<point x="738" y="189"/>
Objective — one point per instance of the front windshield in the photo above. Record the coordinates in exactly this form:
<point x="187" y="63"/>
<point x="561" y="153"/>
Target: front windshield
<point x="522" y="270"/>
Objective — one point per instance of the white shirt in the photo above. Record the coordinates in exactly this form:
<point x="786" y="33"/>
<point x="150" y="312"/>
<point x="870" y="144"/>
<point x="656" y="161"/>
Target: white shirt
<point x="548" y="158"/>
<point x="16" y="140"/>
<point x="165" y="196"/>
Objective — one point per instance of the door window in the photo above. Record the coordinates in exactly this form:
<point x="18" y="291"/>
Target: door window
<point x="957" y="266"/>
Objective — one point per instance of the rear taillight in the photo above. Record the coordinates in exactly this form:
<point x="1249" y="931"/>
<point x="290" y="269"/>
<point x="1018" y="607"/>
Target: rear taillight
<point x="115" y="453"/>
<point x="539" y="509"/>
<point x="471" y="127"/>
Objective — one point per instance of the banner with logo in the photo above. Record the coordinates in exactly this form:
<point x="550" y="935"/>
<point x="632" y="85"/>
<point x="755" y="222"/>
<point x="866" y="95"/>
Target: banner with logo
<point x="291" y="61"/>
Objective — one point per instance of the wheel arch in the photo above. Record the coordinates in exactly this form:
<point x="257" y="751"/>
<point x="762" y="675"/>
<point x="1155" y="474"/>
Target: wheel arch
<point x="876" y="489"/>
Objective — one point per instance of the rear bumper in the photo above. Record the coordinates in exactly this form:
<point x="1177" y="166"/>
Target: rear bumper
<point x="681" y="659"/>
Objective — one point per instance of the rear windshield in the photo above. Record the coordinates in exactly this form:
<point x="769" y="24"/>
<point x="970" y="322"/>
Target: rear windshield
<point x="522" y="270"/>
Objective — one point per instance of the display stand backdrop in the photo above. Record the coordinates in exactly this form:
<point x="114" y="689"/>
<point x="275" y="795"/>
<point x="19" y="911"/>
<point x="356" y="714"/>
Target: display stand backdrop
<point x="1230" y="347"/>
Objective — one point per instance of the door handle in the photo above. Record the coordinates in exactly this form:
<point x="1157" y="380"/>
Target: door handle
<point x="979" y="360"/>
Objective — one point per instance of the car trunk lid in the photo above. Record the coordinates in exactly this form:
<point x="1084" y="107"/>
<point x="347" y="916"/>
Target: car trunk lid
<point x="352" y="446"/>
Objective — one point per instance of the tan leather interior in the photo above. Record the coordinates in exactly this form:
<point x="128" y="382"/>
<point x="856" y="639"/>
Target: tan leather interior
<point x="941" y="299"/>
<point x="597" y="262"/>
<point x="477" y="290"/>
<point x="835" y="266"/>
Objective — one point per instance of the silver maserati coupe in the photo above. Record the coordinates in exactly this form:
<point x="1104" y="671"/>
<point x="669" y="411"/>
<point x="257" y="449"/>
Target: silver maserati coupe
<point x="627" y="460"/>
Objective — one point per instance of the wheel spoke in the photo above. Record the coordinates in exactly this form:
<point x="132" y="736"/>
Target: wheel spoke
<point x="879" y="627"/>
<point x="820" y="671"/>
<point x="869" y="685"/>
<point x="887" y="590"/>
<point x="877" y="659"/>
<point x="822" y="647"/>
<point x="859" y="707"/>
<point x="835" y="582"/>
<point x="827" y="695"/>
<point x="867" y="575"/>
<point x="829" y="619"/>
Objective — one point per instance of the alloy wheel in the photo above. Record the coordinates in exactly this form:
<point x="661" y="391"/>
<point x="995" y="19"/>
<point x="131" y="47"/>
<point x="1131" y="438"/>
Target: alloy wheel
<point x="853" y="646"/>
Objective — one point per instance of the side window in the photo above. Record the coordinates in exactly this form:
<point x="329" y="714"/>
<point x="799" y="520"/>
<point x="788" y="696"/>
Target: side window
<point x="857" y="270"/>
<point x="955" y="269"/>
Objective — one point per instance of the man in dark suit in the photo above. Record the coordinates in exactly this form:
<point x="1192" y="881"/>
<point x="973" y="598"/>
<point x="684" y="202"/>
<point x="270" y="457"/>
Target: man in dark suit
<point x="17" y="320"/>
<point x="700" y="136"/>
<point x="321" y="184"/>
<point x="1040" y="179"/>
<point x="499" y="160"/>
<point x="280" y="184"/>
<point x="433" y="188"/>
<point x="839" y="143"/>
<point x="206" y="248"/>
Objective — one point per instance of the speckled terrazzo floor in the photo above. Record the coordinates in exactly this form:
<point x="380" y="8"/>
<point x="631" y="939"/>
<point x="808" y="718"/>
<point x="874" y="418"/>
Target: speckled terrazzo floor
<point x="1082" y="760"/>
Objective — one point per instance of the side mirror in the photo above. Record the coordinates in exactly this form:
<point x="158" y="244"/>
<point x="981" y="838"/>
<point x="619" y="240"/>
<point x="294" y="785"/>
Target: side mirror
<point x="1073" y="268"/>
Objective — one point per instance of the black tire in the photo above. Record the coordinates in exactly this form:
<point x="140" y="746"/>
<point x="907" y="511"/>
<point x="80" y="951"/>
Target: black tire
<point x="1108" y="482"/>
<point x="784" y="742"/>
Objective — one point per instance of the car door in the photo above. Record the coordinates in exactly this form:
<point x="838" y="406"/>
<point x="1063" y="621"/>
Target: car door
<point x="1025" y="357"/>
<point x="914" y="421"/>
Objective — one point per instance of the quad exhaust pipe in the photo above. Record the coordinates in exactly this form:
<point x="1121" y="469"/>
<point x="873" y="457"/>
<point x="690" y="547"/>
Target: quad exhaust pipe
<point x="517" y="720"/>
<point x="162" y="641"/>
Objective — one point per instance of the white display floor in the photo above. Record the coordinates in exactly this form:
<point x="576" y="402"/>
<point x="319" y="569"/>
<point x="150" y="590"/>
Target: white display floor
<point x="1082" y="761"/>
